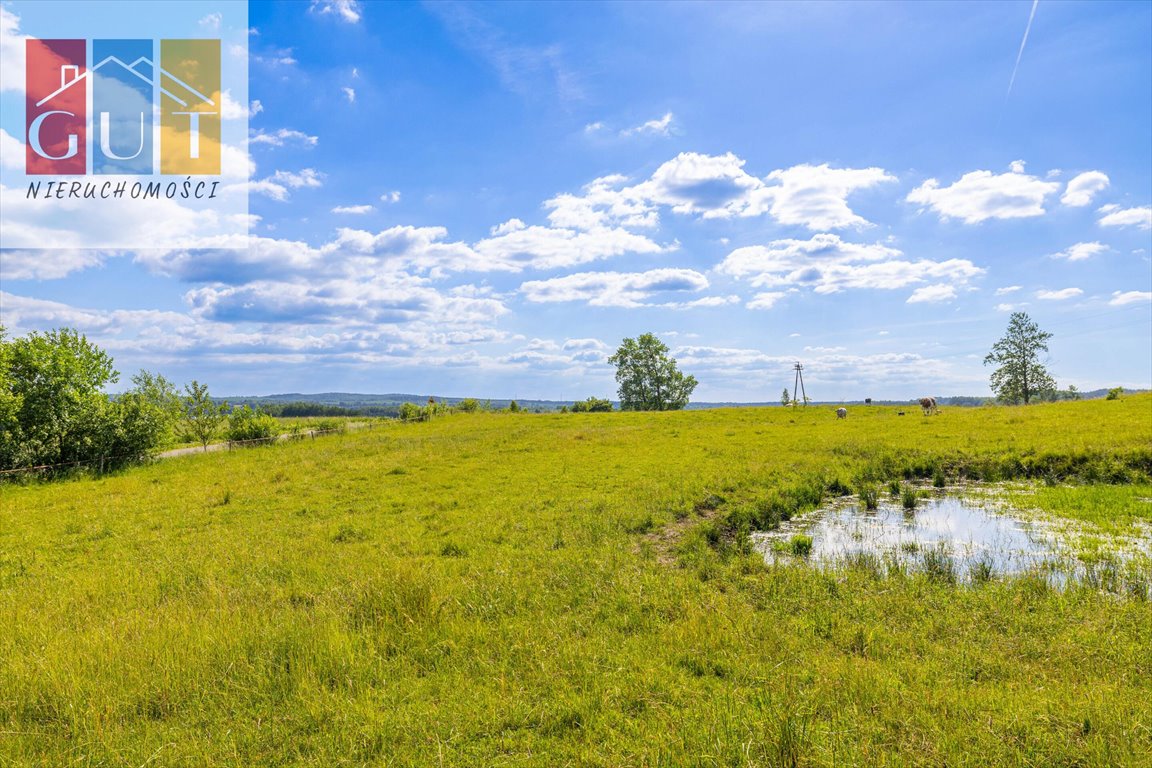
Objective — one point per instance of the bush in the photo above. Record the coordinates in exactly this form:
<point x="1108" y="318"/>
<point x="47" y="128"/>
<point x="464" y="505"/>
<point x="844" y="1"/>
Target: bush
<point x="592" y="405"/>
<point x="468" y="405"/>
<point x="245" y="423"/>
<point x="1114" y="393"/>
<point x="412" y="412"/>
<point x="869" y="497"/>
<point x="909" y="498"/>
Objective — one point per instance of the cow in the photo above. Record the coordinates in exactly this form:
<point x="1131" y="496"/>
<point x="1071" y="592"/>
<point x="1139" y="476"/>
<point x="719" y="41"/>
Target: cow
<point x="841" y="413"/>
<point x="928" y="405"/>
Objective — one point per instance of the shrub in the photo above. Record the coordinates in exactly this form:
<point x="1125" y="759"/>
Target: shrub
<point x="412" y="412"/>
<point x="869" y="497"/>
<point x="592" y="405"/>
<point x="1114" y="393"/>
<point x="468" y="405"/>
<point x="245" y="423"/>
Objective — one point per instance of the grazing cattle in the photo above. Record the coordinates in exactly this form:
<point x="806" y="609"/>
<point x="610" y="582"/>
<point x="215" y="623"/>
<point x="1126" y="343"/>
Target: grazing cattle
<point x="867" y="401"/>
<point x="841" y="413"/>
<point x="928" y="404"/>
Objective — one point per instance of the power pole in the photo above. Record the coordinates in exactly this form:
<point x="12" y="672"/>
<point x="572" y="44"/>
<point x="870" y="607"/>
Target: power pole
<point x="798" y="385"/>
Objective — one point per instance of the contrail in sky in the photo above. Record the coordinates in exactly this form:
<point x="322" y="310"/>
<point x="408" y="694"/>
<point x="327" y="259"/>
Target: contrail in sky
<point x="1023" y="43"/>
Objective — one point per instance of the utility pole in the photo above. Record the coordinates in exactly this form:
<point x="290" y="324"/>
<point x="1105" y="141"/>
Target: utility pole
<point x="798" y="392"/>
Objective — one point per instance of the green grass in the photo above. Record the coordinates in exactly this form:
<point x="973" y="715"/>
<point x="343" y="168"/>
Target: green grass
<point x="552" y="590"/>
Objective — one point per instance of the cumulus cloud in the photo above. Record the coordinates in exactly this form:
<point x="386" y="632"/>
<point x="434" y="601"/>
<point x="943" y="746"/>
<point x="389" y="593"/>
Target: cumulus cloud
<point x="1081" y="251"/>
<point x="827" y="264"/>
<point x="1115" y="216"/>
<point x="816" y="196"/>
<point x="982" y="195"/>
<point x="1060" y="295"/>
<point x="349" y="93"/>
<point x="11" y="151"/>
<point x="391" y="197"/>
<point x="614" y="289"/>
<point x="357" y="210"/>
<point x="1120" y="299"/>
<point x="718" y="187"/>
<point x="1007" y="289"/>
<point x="1084" y="188"/>
<point x="661" y="127"/>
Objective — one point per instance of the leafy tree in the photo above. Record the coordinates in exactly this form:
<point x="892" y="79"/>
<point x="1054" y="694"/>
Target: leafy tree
<point x="202" y="416"/>
<point x="469" y="405"/>
<point x="246" y="423"/>
<point x="648" y="378"/>
<point x="1114" y="393"/>
<point x="1020" y="378"/>
<point x="513" y="407"/>
<point x="785" y="400"/>
<point x="53" y="409"/>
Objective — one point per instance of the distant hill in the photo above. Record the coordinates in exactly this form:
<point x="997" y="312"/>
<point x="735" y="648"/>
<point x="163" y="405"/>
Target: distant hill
<point x="360" y="404"/>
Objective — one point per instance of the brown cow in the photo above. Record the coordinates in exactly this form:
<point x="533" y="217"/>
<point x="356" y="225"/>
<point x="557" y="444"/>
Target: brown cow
<point x="928" y="404"/>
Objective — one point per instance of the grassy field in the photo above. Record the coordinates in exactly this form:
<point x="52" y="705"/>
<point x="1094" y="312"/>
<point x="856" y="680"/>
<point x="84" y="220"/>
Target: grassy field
<point x="552" y="590"/>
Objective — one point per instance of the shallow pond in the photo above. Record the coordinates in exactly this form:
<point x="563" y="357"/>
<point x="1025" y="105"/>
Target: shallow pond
<point x="958" y="538"/>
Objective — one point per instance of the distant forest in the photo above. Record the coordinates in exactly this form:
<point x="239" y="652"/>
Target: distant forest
<point x="388" y="405"/>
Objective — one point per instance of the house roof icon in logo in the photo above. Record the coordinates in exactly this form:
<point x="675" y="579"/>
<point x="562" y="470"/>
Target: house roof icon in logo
<point x="69" y="77"/>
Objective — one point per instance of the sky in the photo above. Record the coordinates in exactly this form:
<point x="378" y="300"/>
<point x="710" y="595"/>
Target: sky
<point x="484" y="199"/>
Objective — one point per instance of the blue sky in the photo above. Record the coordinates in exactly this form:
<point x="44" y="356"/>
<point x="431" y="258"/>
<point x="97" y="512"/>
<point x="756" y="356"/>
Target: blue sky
<point x="484" y="199"/>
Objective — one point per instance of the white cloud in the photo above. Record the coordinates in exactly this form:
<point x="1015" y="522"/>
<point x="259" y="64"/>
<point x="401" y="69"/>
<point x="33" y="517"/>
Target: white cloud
<point x="932" y="293"/>
<point x="1081" y="251"/>
<point x="1082" y="189"/>
<point x="766" y="300"/>
<point x="551" y="247"/>
<point x="32" y="265"/>
<point x="1009" y="307"/>
<point x="308" y="177"/>
<point x="661" y="127"/>
<point x="346" y="10"/>
<point x="349" y="93"/>
<point x="1119" y="298"/>
<point x="982" y="195"/>
<point x="11" y="52"/>
<point x="211" y="21"/>
<point x="11" y="151"/>
<point x="1060" y="295"/>
<point x="827" y="264"/>
<point x="255" y="107"/>
<point x="594" y="127"/>
<point x="614" y="289"/>
<point x="354" y="209"/>
<point x="717" y="187"/>
<point x="282" y="137"/>
<point x="391" y="197"/>
<point x="1016" y="166"/>
<point x="816" y="196"/>
<point x="512" y="225"/>
<point x="1114" y="216"/>
<point x="1007" y="289"/>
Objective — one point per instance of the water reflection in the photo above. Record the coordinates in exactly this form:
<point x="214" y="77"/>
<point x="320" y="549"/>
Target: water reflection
<point x="956" y="538"/>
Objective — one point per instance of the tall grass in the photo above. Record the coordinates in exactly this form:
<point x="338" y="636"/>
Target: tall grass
<point x="496" y="589"/>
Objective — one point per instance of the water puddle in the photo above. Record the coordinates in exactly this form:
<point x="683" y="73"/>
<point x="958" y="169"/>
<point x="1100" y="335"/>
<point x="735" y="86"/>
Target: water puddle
<point x="956" y="538"/>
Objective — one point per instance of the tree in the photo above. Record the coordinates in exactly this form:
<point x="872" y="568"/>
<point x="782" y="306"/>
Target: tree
<point x="54" y="406"/>
<point x="785" y="400"/>
<point x="202" y="416"/>
<point x="1020" y="377"/>
<point x="648" y="378"/>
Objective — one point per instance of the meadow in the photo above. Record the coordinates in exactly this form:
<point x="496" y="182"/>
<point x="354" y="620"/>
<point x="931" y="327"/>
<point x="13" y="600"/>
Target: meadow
<point x="497" y="589"/>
